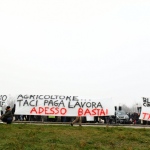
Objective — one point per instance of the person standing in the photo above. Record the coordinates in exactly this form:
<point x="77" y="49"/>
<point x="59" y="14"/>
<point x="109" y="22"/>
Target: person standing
<point x="7" y="116"/>
<point x="78" y="119"/>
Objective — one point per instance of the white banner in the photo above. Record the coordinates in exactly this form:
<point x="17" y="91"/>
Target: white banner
<point x="60" y="105"/>
<point x="145" y="113"/>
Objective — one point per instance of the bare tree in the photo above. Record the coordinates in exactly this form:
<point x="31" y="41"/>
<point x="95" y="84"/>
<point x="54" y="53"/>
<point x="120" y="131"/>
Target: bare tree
<point x="126" y="108"/>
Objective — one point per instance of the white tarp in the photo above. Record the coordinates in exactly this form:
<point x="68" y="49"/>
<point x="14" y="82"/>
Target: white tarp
<point x="145" y="112"/>
<point x="60" y="105"/>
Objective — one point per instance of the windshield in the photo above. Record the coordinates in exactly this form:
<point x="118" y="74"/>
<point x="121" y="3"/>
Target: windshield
<point x="120" y="113"/>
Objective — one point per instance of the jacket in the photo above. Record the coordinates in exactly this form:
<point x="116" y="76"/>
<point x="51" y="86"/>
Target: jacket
<point x="8" y="114"/>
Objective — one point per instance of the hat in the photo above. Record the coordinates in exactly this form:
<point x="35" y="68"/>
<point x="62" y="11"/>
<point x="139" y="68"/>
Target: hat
<point x="7" y="107"/>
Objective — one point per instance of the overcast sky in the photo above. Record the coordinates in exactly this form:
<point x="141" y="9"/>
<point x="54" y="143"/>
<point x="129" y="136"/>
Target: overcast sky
<point x="92" y="48"/>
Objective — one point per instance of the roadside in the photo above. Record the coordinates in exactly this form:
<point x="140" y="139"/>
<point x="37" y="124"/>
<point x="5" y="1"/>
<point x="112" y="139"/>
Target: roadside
<point x="83" y="124"/>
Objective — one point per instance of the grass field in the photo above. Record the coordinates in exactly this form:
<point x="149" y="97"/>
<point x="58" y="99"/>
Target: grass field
<point x="58" y="137"/>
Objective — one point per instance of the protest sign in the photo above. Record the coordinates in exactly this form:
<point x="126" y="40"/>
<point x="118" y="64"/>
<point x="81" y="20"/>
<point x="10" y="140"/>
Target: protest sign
<point x="60" y="105"/>
<point x="145" y="113"/>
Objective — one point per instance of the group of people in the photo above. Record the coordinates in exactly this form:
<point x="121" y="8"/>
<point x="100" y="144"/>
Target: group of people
<point x="134" y="118"/>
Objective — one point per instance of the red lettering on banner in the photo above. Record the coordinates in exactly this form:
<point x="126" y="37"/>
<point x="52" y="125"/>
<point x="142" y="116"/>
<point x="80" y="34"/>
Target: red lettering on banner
<point x="87" y="112"/>
<point x="146" y="116"/>
<point x="80" y="112"/>
<point x="51" y="109"/>
<point x="48" y="110"/>
<point x="102" y="113"/>
<point x="57" y="110"/>
<point x="41" y="109"/>
<point x="33" y="110"/>
<point x="93" y="112"/>
<point x="106" y="111"/>
<point x="63" y="111"/>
